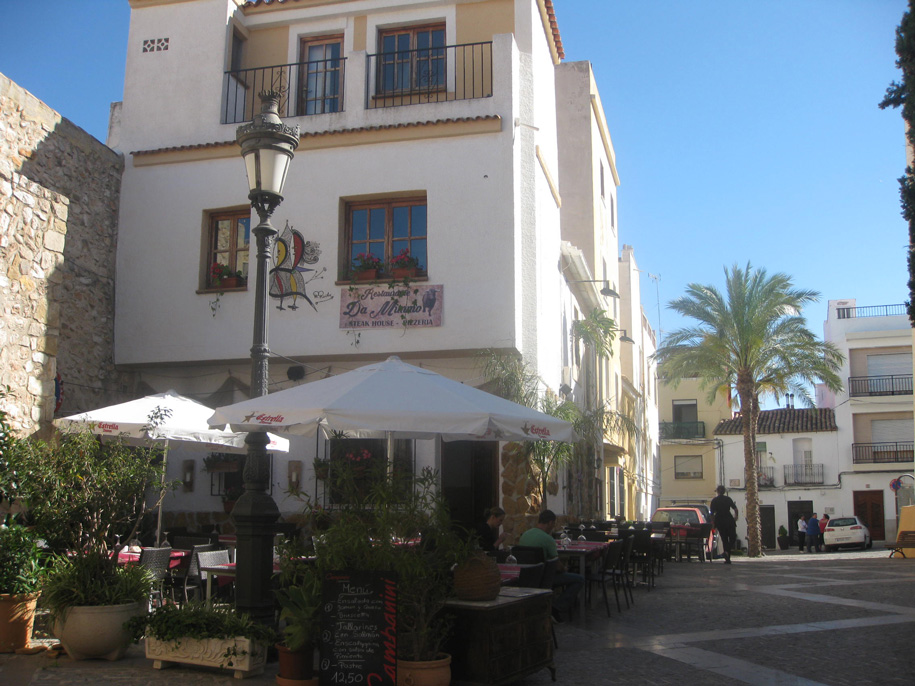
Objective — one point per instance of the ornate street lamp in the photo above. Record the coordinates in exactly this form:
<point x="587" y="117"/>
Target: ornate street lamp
<point x="267" y="146"/>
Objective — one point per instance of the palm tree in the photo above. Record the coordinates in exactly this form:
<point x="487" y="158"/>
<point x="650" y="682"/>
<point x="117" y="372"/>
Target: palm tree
<point x="752" y="340"/>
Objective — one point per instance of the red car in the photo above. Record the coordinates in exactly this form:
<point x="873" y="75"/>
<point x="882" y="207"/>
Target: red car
<point x="686" y="521"/>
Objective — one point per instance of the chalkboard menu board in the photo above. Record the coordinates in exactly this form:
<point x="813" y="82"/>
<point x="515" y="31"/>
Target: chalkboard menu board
<point x="359" y="629"/>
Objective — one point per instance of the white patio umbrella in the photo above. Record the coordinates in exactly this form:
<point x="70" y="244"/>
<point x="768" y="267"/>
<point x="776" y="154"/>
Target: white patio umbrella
<point x="186" y="421"/>
<point x="398" y="399"/>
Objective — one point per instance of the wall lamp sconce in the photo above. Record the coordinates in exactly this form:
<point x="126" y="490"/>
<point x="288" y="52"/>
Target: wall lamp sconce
<point x="294" y="474"/>
<point x="565" y="390"/>
<point x="605" y="291"/>
<point x="624" y="338"/>
<point x="187" y="476"/>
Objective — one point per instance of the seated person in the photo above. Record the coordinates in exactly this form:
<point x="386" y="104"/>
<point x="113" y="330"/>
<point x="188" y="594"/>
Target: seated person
<point x="541" y="537"/>
<point x="488" y="532"/>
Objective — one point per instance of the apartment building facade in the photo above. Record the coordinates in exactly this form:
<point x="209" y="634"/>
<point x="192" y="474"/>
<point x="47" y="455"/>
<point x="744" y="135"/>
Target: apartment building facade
<point x="427" y="126"/>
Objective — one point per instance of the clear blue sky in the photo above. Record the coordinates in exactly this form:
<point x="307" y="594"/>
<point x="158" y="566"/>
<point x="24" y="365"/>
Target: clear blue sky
<point x="743" y="130"/>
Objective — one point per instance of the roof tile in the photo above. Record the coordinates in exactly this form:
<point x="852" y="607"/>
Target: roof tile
<point x="786" y="421"/>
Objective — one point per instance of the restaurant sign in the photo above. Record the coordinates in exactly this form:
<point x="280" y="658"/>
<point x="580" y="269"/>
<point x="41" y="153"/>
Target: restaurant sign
<point x="384" y="306"/>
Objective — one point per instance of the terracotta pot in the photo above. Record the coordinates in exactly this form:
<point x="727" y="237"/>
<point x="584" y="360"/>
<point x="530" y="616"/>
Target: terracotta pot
<point x="295" y="666"/>
<point x="400" y="273"/>
<point x="97" y="631"/>
<point x="230" y="282"/>
<point x="366" y="275"/>
<point x="322" y="471"/>
<point x="17" y="614"/>
<point x="228" y="505"/>
<point x="429" y="673"/>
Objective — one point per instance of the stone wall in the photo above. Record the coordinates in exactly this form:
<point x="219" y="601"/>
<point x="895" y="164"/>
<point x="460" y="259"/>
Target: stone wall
<point x="59" y="194"/>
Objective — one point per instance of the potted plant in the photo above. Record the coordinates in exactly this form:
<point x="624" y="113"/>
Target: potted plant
<point x="196" y="634"/>
<point x="322" y="468"/>
<point x="365" y="267"/>
<point x="20" y="578"/>
<point x="300" y="603"/>
<point x="783" y="540"/>
<point x="83" y="496"/>
<point x="403" y="265"/>
<point x="402" y="525"/>
<point x="223" y="277"/>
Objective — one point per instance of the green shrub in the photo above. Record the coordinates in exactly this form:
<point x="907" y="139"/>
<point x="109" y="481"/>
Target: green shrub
<point x="20" y="561"/>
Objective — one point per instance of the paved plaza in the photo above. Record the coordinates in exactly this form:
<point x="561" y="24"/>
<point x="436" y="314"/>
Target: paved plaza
<point x="788" y="618"/>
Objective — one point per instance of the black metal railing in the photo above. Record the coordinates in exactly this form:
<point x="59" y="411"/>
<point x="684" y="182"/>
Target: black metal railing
<point x="436" y="74"/>
<point x="874" y="453"/>
<point x="803" y="474"/>
<point x="682" y="429"/>
<point x="314" y="87"/>
<point x="870" y="311"/>
<point x="765" y="477"/>
<point x="888" y="384"/>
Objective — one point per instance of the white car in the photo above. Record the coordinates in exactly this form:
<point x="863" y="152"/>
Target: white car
<point x="847" y="531"/>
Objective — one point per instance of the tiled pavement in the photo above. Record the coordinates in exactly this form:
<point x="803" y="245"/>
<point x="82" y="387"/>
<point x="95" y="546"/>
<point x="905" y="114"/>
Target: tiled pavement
<point x="831" y="619"/>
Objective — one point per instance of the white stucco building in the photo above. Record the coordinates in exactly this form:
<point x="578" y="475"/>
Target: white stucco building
<point x="431" y="126"/>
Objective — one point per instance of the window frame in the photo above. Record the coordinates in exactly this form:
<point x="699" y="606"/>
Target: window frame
<point x="233" y="251"/>
<point x="304" y="73"/>
<point x="388" y="251"/>
<point x="677" y="473"/>
<point x="414" y="58"/>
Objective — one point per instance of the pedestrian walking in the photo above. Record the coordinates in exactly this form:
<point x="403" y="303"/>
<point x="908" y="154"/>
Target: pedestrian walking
<point x="813" y="533"/>
<point x="726" y="524"/>
<point x="801" y="532"/>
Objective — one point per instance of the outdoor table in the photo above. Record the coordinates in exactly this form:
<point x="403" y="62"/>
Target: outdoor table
<point x="502" y="640"/>
<point x="226" y="571"/>
<point x="174" y="561"/>
<point x="582" y="551"/>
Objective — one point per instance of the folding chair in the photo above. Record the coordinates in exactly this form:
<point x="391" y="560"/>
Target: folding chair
<point x="192" y="582"/>
<point x="528" y="554"/>
<point x="531" y="577"/>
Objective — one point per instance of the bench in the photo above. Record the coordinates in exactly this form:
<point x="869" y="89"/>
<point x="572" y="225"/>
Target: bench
<point x="905" y="539"/>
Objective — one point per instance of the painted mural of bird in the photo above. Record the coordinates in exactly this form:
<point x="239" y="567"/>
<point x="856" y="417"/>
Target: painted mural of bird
<point x="287" y="278"/>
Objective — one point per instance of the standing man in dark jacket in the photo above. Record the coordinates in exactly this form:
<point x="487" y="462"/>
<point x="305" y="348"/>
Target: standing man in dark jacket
<point x="813" y="533"/>
<point x="726" y="524"/>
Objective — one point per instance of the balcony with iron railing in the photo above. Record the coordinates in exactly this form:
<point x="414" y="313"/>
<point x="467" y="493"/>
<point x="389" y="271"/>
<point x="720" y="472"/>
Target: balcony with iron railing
<point x="882" y="453"/>
<point x="887" y="384"/>
<point x="870" y="311"/>
<point x="799" y="474"/>
<point x="436" y="74"/>
<point x="765" y="477"/>
<point x="682" y="430"/>
<point x="306" y="88"/>
<point x="392" y="79"/>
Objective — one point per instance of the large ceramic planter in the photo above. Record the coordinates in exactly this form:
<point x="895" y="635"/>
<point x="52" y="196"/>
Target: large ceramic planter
<point x="97" y="631"/>
<point x="241" y="655"/>
<point x="296" y="668"/>
<point x="17" y="614"/>
<point x="429" y="673"/>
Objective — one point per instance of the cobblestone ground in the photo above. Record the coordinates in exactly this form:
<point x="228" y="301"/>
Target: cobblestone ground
<point x="832" y="619"/>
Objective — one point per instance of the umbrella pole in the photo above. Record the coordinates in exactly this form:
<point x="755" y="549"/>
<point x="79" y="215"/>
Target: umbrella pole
<point x="161" y="495"/>
<point x="390" y="464"/>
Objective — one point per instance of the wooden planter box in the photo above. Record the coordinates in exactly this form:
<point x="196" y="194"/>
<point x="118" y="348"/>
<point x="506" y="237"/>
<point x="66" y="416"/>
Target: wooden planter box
<point x="249" y="658"/>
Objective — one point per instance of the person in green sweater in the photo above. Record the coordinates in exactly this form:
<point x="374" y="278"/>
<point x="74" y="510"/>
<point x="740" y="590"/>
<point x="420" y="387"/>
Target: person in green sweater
<point x="541" y="536"/>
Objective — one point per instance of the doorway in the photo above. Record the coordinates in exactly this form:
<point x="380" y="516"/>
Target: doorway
<point x="767" y="523"/>
<point x="469" y="479"/>
<point x="869" y="507"/>
<point x="796" y="508"/>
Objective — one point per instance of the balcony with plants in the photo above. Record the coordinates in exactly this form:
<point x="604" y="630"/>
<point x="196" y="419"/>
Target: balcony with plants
<point x="388" y="79"/>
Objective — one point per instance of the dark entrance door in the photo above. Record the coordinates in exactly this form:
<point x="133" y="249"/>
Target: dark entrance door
<point x="869" y="507"/>
<point x="796" y="508"/>
<point x="469" y="479"/>
<point x="767" y="522"/>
